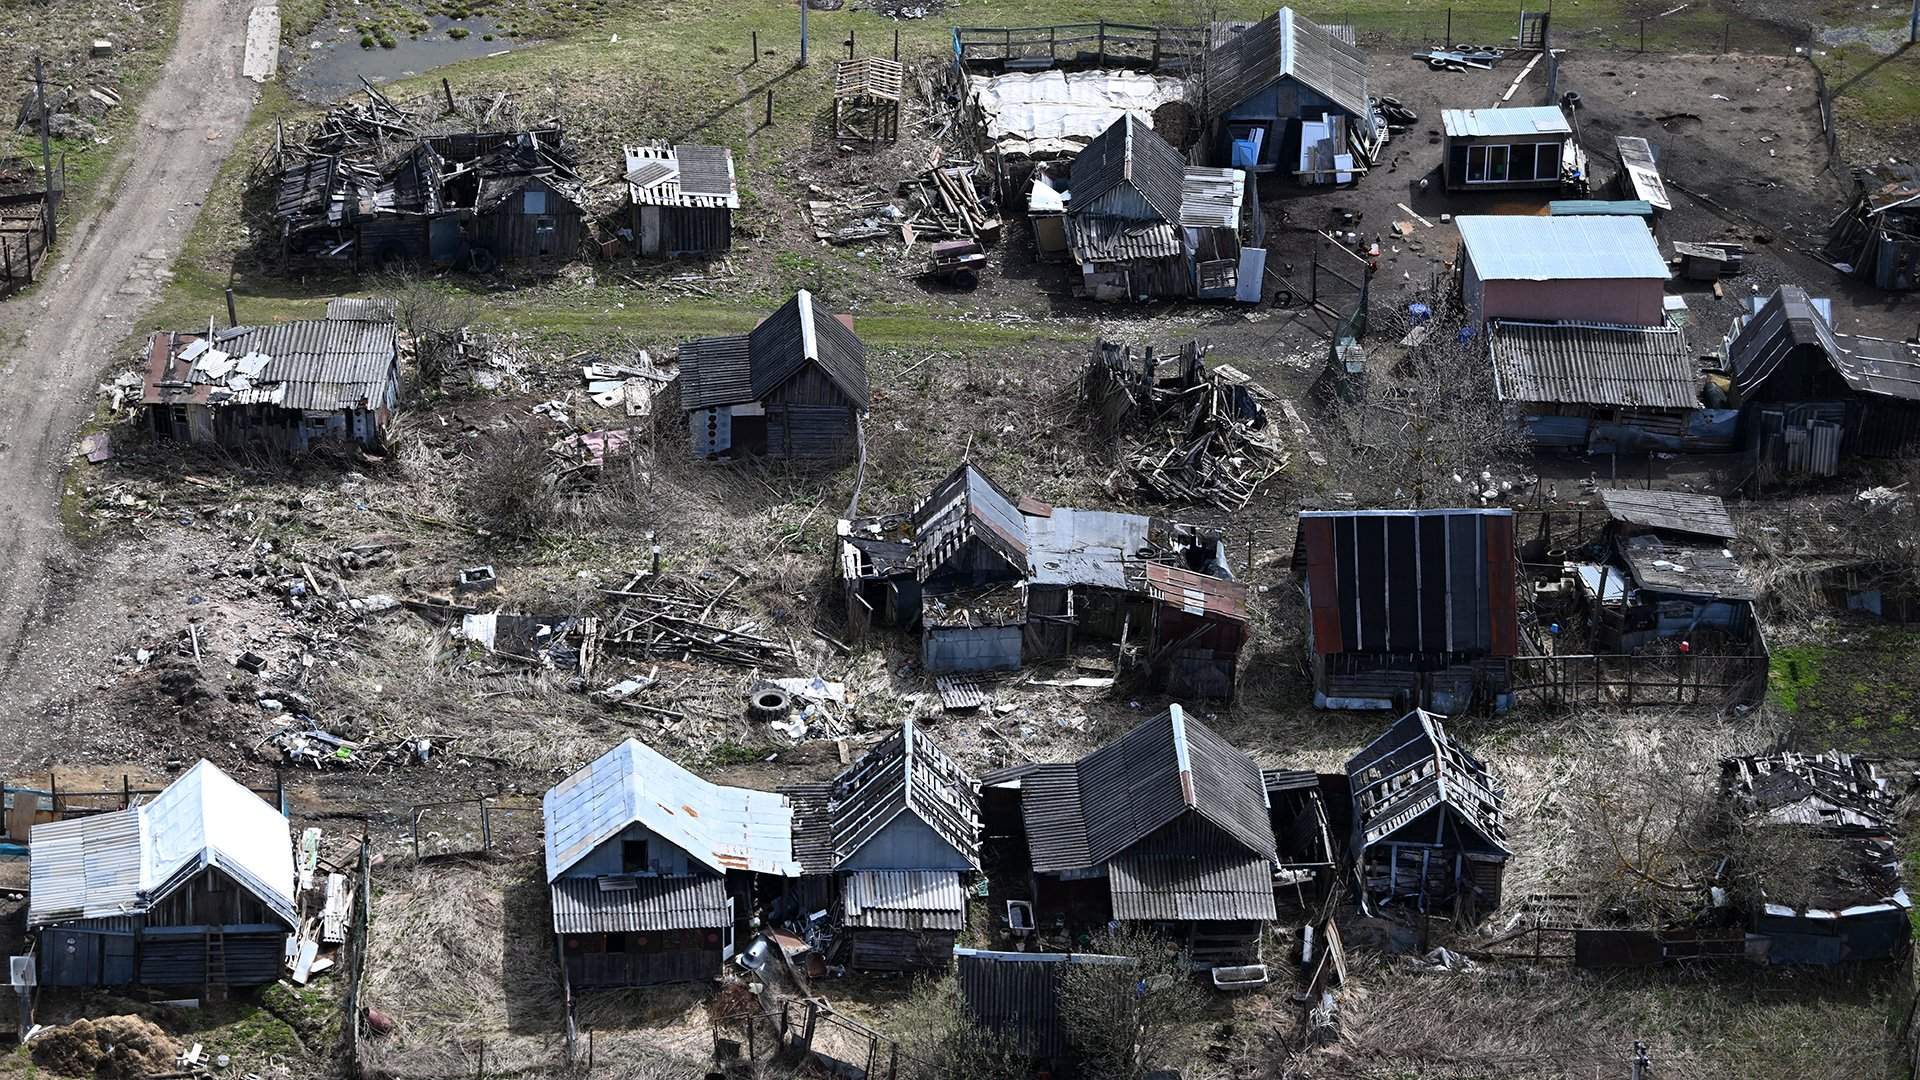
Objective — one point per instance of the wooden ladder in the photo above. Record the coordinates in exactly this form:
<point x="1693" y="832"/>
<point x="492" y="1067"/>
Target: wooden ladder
<point x="216" y="966"/>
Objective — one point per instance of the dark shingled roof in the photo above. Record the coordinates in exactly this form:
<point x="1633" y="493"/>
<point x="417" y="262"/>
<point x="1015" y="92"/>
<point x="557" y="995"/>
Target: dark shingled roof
<point x="1185" y="871"/>
<point x="1670" y="511"/>
<point x="907" y="773"/>
<point x="801" y="332"/>
<point x="715" y="371"/>
<point x="1789" y="321"/>
<point x="1286" y="44"/>
<point x="1171" y="766"/>
<point x="1129" y="152"/>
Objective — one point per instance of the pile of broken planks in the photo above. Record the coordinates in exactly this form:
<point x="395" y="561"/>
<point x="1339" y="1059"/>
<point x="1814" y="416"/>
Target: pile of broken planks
<point x="944" y="205"/>
<point x="1215" y="455"/>
<point x="663" y="618"/>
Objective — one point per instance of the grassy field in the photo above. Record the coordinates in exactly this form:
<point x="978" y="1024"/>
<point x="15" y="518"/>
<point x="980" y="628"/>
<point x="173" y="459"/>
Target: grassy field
<point x="1852" y="688"/>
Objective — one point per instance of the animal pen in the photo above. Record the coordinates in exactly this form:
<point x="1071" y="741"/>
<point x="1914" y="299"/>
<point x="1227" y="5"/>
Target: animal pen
<point x="1101" y="44"/>
<point x="866" y="99"/>
<point x="25" y="228"/>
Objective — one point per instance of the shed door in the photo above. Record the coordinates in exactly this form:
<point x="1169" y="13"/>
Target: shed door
<point x="116" y="962"/>
<point x="444" y="241"/>
<point x="726" y="936"/>
<point x="72" y="960"/>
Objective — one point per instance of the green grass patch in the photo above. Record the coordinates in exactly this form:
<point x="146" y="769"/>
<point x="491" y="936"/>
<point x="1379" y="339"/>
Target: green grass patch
<point x="1794" y="672"/>
<point x="1851" y="690"/>
<point x="1875" y="92"/>
<point x="729" y="754"/>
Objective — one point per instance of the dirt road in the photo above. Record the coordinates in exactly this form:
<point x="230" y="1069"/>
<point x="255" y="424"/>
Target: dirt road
<point x="55" y="341"/>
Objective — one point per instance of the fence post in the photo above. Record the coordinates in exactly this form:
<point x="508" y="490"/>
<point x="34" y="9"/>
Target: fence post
<point x="1726" y="34"/>
<point x="1448" y="40"/>
<point x="756" y="49"/>
<point x="769" y="122"/>
<point x="1643" y="35"/>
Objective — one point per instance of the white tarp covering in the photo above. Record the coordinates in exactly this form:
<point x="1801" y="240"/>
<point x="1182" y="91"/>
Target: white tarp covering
<point x="1055" y="112"/>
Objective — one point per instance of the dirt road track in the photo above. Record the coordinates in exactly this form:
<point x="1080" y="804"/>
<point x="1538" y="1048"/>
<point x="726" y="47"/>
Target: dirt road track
<point x="55" y="341"/>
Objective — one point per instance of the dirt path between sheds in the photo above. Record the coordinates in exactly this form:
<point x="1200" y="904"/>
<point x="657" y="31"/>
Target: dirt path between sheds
<point x="55" y="341"/>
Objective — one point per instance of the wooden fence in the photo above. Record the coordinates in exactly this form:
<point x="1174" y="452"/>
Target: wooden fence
<point x="1627" y="680"/>
<point x="1099" y="44"/>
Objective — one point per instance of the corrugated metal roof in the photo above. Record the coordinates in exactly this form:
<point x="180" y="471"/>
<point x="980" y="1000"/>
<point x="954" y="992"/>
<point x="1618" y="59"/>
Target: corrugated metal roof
<point x="687" y="175"/>
<point x="1674" y="511"/>
<point x="1128" y="152"/>
<point x="903" y="900"/>
<point x="317" y="364"/>
<point x="1017" y="995"/>
<point x="1110" y="239"/>
<point x="1527" y="120"/>
<point x="1643" y="170"/>
<point x="1413" y="768"/>
<point x="722" y="827"/>
<point x="1129" y="789"/>
<point x="585" y="905"/>
<point x="124" y="862"/>
<point x="715" y="371"/>
<point x="1086" y="547"/>
<point x="1790" y="320"/>
<point x="1185" y="878"/>
<point x="1197" y="594"/>
<point x="802" y="331"/>
<point x="1211" y="198"/>
<point x="1286" y="44"/>
<point x="1593" y="364"/>
<point x="967" y="504"/>
<point x="1701" y="569"/>
<point x="906" y="773"/>
<point x="370" y="309"/>
<point x="812" y="825"/>
<point x="1526" y="248"/>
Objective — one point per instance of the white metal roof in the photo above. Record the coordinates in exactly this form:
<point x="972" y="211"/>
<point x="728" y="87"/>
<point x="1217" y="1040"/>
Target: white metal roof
<point x="122" y="863"/>
<point x="1058" y="112"/>
<point x="1527" y="120"/>
<point x="726" y="828"/>
<point x="1522" y="248"/>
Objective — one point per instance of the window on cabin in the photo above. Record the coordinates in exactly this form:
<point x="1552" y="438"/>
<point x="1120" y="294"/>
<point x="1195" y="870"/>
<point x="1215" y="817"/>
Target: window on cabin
<point x="533" y="202"/>
<point x="1496" y="164"/>
<point x="1547" y="160"/>
<point x="1476" y="164"/>
<point x="633" y="857"/>
<point x="1521" y="165"/>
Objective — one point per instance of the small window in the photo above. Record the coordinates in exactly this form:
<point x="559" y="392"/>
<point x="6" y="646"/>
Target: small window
<point x="1496" y="164"/>
<point x="1476" y="164"/>
<point x="1521" y="167"/>
<point x="633" y="857"/>
<point x="533" y="201"/>
<point x="544" y="225"/>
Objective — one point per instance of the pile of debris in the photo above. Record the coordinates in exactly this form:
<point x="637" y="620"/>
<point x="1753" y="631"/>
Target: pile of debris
<point x="677" y="618"/>
<point x="354" y="125"/>
<point x="1203" y="435"/>
<point x="944" y="204"/>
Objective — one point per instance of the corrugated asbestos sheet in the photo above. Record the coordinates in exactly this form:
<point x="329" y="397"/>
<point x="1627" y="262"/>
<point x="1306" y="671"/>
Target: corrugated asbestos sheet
<point x="1211" y="198"/>
<point x="1673" y="511"/>
<point x="1210" y="885"/>
<point x="799" y="332"/>
<point x="1286" y="44"/>
<point x="1110" y="239"/>
<point x="1132" y="787"/>
<point x="350" y="309"/>
<point x="812" y="826"/>
<point x="1689" y="569"/>
<point x="122" y="863"/>
<point x="903" y="900"/>
<point x="1129" y="152"/>
<point x="968" y="505"/>
<point x="1197" y="594"/>
<point x="1529" y="120"/>
<point x="1017" y="995"/>
<point x="723" y="827"/>
<point x="687" y="175"/>
<point x="908" y="772"/>
<point x="1519" y="247"/>
<point x="1584" y="364"/>
<point x="1409" y="581"/>
<point x="317" y="364"/>
<point x="1789" y="320"/>
<point x="715" y="371"/>
<point x="584" y="906"/>
<point x="1643" y="172"/>
<point x="1413" y="768"/>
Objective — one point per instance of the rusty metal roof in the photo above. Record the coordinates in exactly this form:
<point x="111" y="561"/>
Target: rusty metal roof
<point x="724" y="828"/>
<point x="1591" y="364"/>
<point x="626" y="904"/>
<point x="1197" y="594"/>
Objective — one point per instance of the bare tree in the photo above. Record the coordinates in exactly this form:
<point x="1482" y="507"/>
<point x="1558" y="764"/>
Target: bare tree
<point x="1423" y="424"/>
<point x="511" y="488"/>
<point x="432" y="317"/>
<point x="1124" y="1020"/>
<point x="940" y="1041"/>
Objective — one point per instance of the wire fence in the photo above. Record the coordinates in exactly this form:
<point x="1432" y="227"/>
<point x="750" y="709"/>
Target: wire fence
<point x="1684" y="31"/>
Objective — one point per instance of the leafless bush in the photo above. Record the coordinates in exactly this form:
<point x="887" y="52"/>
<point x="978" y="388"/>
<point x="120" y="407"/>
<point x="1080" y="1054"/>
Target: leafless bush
<point x="510" y="490"/>
<point x="1423" y="423"/>
<point x="1124" y="1020"/>
<point x="940" y="1041"/>
<point x="432" y="316"/>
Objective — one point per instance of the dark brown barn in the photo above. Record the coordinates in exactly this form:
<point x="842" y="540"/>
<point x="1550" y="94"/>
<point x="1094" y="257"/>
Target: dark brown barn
<point x="795" y="387"/>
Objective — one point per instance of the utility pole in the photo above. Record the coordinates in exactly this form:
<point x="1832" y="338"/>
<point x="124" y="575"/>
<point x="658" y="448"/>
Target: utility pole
<point x="1639" y="1060"/>
<point x="1913" y="24"/>
<point x="46" y="150"/>
<point x="803" y="31"/>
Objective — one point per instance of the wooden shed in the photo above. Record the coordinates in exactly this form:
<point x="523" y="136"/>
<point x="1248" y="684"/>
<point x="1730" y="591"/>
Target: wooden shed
<point x="794" y="387"/>
<point x="681" y="199"/>
<point x="1289" y="96"/>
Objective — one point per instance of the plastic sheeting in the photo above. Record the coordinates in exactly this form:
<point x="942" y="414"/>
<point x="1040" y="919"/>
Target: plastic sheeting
<point x="1046" y="113"/>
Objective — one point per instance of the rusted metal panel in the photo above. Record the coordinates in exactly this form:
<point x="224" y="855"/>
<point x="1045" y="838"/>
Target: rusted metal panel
<point x="1323" y="595"/>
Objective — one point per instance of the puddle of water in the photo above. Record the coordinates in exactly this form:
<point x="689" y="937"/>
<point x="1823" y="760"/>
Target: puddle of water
<point x="336" y="67"/>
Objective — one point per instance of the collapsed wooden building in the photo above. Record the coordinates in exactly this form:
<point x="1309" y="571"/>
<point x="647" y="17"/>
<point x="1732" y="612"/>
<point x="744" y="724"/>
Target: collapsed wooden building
<point x="654" y="872"/>
<point x="1671" y="576"/>
<point x="1166" y="826"/>
<point x="898" y="836"/>
<point x="1429" y="823"/>
<point x="1810" y="397"/>
<point x="991" y="584"/>
<point x="1409" y="607"/>
<point x="473" y="200"/>
<point x="1877" y="238"/>
<point x="1850" y="904"/>
<point x="192" y="890"/>
<point x="282" y="387"/>
<point x="794" y="386"/>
